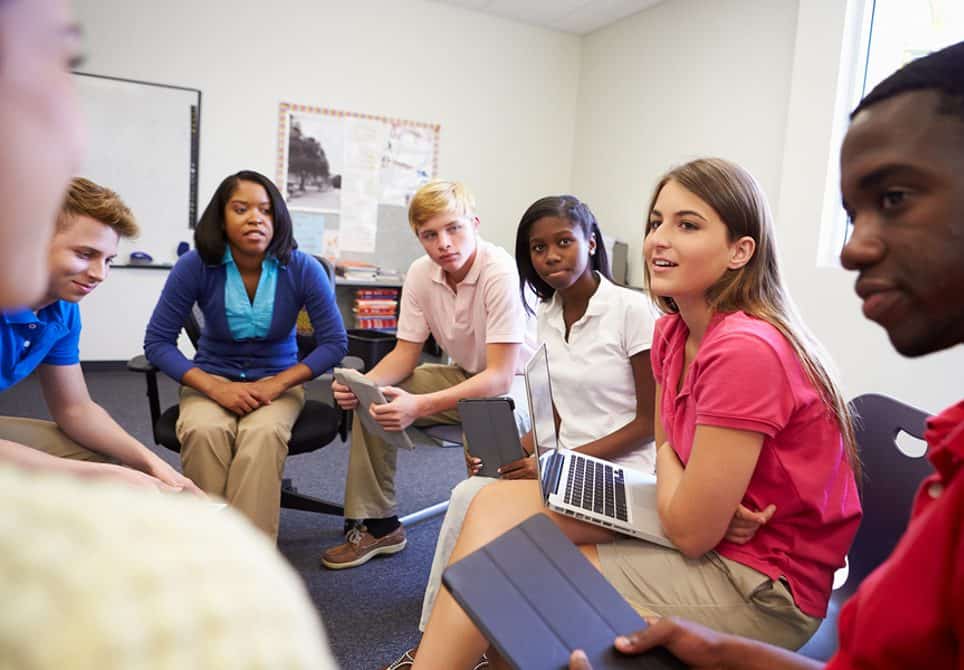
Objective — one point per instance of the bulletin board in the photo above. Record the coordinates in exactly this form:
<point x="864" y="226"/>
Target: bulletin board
<point x="348" y="179"/>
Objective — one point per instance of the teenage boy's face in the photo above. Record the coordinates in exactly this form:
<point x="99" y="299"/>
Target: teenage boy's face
<point x="40" y="138"/>
<point x="902" y="179"/>
<point x="80" y="257"/>
<point x="449" y="240"/>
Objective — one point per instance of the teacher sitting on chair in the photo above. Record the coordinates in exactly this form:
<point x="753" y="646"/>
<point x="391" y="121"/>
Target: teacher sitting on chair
<point x="243" y="392"/>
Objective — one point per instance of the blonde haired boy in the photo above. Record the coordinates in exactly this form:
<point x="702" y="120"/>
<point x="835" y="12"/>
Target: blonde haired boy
<point x="82" y="439"/>
<point x="465" y="293"/>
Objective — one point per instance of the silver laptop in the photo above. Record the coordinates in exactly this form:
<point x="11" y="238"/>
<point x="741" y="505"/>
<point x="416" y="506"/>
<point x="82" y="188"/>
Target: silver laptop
<point x="587" y="488"/>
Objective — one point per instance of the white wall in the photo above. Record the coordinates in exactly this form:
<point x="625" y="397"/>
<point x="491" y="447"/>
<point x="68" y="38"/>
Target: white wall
<point x="684" y="79"/>
<point x="754" y="81"/>
<point x="522" y="108"/>
<point x="504" y="93"/>
<point x="826" y="298"/>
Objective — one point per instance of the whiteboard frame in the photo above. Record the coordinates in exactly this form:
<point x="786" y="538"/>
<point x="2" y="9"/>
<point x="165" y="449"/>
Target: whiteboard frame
<point x="195" y="151"/>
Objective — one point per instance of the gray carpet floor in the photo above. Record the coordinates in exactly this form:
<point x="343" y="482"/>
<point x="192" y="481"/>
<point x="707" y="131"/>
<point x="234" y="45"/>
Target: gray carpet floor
<point x="371" y="612"/>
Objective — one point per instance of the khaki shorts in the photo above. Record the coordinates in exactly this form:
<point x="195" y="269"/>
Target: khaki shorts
<point x="712" y="590"/>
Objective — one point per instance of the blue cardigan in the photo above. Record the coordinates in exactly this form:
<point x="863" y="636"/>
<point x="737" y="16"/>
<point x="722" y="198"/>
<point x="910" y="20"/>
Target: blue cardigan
<point x="302" y="282"/>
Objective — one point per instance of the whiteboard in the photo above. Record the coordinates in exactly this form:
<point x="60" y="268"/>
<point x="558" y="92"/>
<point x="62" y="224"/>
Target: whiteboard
<point x="143" y="144"/>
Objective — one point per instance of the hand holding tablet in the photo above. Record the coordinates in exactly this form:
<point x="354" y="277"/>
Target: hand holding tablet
<point x="369" y="394"/>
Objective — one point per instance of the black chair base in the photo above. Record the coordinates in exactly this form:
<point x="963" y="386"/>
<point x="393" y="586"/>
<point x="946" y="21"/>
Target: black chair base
<point x="291" y="499"/>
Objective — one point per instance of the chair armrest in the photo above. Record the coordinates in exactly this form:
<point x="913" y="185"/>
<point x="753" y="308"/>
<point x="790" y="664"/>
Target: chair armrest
<point x="140" y="364"/>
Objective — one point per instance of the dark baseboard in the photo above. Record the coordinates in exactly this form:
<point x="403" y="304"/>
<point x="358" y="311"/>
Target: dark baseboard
<point x="103" y="366"/>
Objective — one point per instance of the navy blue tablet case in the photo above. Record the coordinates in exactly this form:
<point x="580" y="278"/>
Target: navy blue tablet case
<point x="536" y="598"/>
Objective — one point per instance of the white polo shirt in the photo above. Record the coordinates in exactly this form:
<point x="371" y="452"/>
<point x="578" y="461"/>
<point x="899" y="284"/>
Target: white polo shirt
<point x="486" y="309"/>
<point x="592" y="379"/>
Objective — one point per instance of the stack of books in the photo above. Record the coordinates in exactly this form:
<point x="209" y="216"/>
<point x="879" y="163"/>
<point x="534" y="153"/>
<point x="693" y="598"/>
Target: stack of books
<point x="376" y="308"/>
<point x="356" y="270"/>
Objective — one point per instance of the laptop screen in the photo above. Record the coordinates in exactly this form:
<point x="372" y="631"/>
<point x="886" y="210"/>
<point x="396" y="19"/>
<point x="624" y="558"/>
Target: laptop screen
<point x="540" y="402"/>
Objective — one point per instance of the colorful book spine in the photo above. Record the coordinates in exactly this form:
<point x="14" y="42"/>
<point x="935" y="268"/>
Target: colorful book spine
<point x="376" y="308"/>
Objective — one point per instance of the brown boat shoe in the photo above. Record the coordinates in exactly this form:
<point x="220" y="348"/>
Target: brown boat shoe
<point x="361" y="546"/>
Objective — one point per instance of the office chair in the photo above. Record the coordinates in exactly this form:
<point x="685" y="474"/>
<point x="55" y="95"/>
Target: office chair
<point x="890" y="482"/>
<point x="317" y="425"/>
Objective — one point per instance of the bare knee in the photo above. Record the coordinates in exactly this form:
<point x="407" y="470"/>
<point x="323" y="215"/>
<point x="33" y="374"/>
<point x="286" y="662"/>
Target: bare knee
<point x="499" y="507"/>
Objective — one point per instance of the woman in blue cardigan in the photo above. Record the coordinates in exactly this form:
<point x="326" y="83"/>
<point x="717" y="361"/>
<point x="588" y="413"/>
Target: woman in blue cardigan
<point x="242" y="393"/>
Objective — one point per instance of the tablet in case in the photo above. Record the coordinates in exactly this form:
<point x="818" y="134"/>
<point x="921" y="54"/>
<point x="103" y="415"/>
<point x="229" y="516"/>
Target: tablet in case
<point x="491" y="432"/>
<point x="537" y="599"/>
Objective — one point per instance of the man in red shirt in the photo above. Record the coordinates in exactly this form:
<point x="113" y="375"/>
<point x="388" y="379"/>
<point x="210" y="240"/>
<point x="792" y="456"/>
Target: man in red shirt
<point x="902" y="179"/>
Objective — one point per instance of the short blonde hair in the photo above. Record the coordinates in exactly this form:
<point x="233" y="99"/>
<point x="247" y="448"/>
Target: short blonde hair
<point x="85" y="198"/>
<point x="439" y="197"/>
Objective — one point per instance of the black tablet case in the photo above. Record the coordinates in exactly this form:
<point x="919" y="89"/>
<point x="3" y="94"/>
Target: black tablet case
<point x="491" y="432"/>
<point x="537" y="598"/>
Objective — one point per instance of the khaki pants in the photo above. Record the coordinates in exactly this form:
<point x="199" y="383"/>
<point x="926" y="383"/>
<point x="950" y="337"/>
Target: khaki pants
<point x="242" y="458"/>
<point x="370" y="490"/>
<point x="46" y="436"/>
<point x="712" y="590"/>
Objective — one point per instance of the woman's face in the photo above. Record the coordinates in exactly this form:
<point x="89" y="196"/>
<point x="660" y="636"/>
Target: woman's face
<point x="559" y="252"/>
<point x="687" y="247"/>
<point x="248" y="226"/>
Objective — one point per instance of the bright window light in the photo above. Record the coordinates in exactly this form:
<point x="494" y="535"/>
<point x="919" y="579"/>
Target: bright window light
<point x="889" y="34"/>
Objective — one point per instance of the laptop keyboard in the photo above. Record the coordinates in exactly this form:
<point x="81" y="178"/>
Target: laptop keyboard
<point x="597" y="487"/>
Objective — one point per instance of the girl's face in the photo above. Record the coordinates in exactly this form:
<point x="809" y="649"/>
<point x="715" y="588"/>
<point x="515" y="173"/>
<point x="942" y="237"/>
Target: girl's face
<point x="687" y="247"/>
<point x="559" y="251"/>
<point x="247" y="220"/>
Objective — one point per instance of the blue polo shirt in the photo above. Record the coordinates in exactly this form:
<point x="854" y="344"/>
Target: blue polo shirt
<point x="28" y="340"/>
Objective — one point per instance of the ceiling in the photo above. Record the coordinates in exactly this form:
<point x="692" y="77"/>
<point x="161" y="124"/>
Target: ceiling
<point x="572" y="16"/>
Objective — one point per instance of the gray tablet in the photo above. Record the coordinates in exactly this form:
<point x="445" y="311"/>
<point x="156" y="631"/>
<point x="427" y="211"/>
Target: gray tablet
<point x="537" y="598"/>
<point x="491" y="432"/>
<point x="369" y="394"/>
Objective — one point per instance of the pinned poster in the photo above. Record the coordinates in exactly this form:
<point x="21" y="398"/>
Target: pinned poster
<point x="309" y="230"/>
<point x="359" y="223"/>
<point x="348" y="164"/>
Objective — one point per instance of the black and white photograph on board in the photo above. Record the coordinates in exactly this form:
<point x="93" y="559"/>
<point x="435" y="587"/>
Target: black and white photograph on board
<point x="315" y="161"/>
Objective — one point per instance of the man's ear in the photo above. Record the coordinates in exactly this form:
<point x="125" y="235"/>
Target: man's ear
<point x="741" y="252"/>
<point x="475" y="223"/>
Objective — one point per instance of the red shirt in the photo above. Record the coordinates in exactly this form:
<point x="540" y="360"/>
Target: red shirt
<point x="746" y="376"/>
<point x="909" y="612"/>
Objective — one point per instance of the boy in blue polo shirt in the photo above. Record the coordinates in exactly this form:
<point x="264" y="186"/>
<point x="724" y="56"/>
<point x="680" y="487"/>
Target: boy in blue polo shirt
<point x="83" y="439"/>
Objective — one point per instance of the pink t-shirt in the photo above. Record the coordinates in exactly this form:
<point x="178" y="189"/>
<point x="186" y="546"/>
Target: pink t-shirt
<point x="746" y="376"/>
<point x="486" y="309"/>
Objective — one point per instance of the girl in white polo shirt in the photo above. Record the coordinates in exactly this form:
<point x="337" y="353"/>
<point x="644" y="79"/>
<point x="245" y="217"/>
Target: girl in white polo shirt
<point x="598" y="337"/>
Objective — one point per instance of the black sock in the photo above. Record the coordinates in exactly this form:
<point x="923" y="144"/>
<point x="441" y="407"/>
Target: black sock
<point x="382" y="527"/>
<point x="351" y="523"/>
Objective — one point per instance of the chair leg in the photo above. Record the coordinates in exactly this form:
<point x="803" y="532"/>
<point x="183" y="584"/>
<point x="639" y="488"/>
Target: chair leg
<point x="291" y="499"/>
<point x="426" y="513"/>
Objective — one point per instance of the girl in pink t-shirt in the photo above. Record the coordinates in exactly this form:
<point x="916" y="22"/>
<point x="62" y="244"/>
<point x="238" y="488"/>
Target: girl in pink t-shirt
<point x="755" y="448"/>
<point x="748" y="413"/>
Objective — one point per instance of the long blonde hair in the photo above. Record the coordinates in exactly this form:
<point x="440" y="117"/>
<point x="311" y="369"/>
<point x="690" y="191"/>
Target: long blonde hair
<point x="756" y="288"/>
